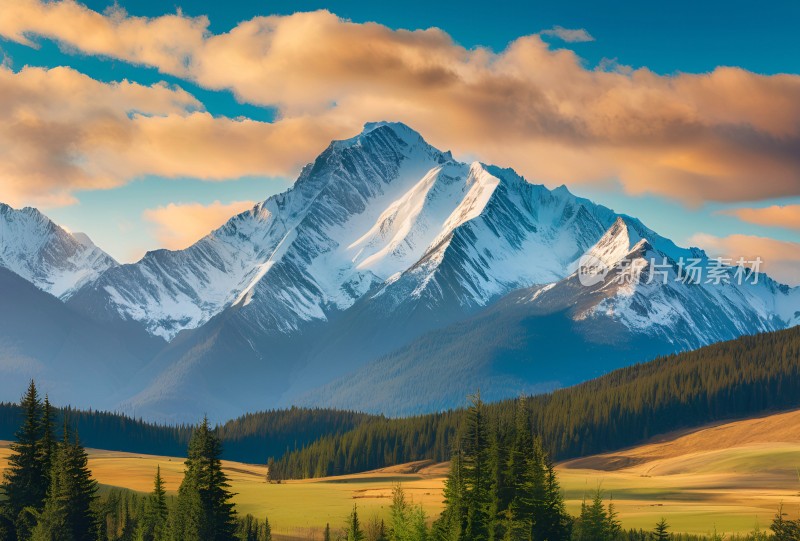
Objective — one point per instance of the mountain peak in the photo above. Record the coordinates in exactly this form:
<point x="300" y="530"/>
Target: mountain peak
<point x="47" y="255"/>
<point x="401" y="130"/>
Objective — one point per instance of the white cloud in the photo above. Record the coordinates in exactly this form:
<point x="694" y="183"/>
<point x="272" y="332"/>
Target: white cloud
<point x="577" y="35"/>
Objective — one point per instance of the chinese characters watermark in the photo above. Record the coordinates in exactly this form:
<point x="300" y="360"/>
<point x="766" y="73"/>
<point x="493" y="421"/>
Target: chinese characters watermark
<point x="693" y="270"/>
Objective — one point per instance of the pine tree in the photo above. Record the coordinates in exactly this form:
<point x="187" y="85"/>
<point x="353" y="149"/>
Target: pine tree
<point x="785" y="530"/>
<point x="25" y="479"/>
<point x="327" y="535"/>
<point x="153" y="524"/>
<point x="267" y="530"/>
<point x="594" y="523"/>
<point x="661" y="532"/>
<point x="353" y="529"/>
<point x="557" y="522"/>
<point x="613" y="526"/>
<point x="477" y="473"/>
<point x="68" y="512"/>
<point x="383" y="535"/>
<point x="47" y="442"/>
<point x="204" y="510"/>
<point x="452" y="523"/>
<point x="408" y="521"/>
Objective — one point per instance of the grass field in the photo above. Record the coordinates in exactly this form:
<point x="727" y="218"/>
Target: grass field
<point x="729" y="476"/>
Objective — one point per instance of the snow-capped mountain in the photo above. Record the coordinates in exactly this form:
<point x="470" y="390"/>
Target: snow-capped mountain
<point x="390" y="265"/>
<point x="383" y="213"/>
<point x="47" y="255"/>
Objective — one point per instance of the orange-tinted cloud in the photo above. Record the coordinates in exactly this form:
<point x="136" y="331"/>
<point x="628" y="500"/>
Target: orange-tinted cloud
<point x="179" y="225"/>
<point x="63" y="132"/>
<point x="728" y="135"/>
<point x="781" y="259"/>
<point x="787" y="216"/>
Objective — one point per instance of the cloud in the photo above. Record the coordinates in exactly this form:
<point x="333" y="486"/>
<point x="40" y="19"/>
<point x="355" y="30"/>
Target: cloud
<point x="63" y="132"/>
<point x="787" y="216"/>
<point x="578" y="35"/>
<point x="179" y="225"/>
<point x="781" y="259"/>
<point x="729" y="135"/>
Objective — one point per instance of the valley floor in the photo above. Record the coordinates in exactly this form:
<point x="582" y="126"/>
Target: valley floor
<point x="729" y="476"/>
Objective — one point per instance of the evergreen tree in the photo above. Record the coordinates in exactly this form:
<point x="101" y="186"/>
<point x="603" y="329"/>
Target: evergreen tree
<point x="204" y="510"/>
<point x="784" y="529"/>
<point x="353" y="530"/>
<point x="25" y="479"/>
<point x="47" y="442"/>
<point x="595" y="522"/>
<point x="613" y="525"/>
<point x="267" y="530"/>
<point x="477" y="473"/>
<point x="383" y="535"/>
<point x="661" y="532"/>
<point x="408" y="521"/>
<point x="68" y="512"/>
<point x="557" y="522"/>
<point x="326" y="536"/>
<point x="153" y="523"/>
<point x="452" y="523"/>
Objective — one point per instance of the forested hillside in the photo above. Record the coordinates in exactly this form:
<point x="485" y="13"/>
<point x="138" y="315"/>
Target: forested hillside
<point x="735" y="379"/>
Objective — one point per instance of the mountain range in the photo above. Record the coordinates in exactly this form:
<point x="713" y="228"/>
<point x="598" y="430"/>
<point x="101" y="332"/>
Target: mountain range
<point x="389" y="278"/>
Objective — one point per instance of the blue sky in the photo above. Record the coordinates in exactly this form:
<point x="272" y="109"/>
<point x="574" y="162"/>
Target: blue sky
<point x="666" y="38"/>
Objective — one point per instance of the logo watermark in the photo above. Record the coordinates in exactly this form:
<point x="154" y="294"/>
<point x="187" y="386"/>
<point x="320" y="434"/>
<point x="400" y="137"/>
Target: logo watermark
<point x="593" y="270"/>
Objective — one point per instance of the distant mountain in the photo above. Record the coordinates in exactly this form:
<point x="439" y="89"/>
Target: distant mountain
<point x="46" y="255"/>
<point x="391" y="266"/>
<point x="82" y="362"/>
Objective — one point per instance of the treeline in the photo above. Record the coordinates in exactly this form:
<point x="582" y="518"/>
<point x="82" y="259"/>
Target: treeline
<point x="743" y="377"/>
<point x="48" y="494"/>
<point x="250" y="438"/>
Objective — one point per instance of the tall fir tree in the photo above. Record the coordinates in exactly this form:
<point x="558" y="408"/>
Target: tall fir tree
<point x="153" y="524"/>
<point x="68" y="513"/>
<point x="353" y="531"/>
<point x="204" y="509"/>
<point x="267" y="530"/>
<point x="477" y="473"/>
<point x="452" y="523"/>
<point x="26" y="477"/>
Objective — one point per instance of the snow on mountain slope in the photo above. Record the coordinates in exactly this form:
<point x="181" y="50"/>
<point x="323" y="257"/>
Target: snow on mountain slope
<point x="681" y="295"/>
<point x="52" y="259"/>
<point x="287" y="260"/>
<point x="524" y="234"/>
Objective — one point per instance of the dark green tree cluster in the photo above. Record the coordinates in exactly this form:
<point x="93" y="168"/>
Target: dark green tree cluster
<point x="204" y="509"/>
<point x="785" y="529"/>
<point x="501" y="485"/>
<point x="597" y="522"/>
<point x="48" y="492"/>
